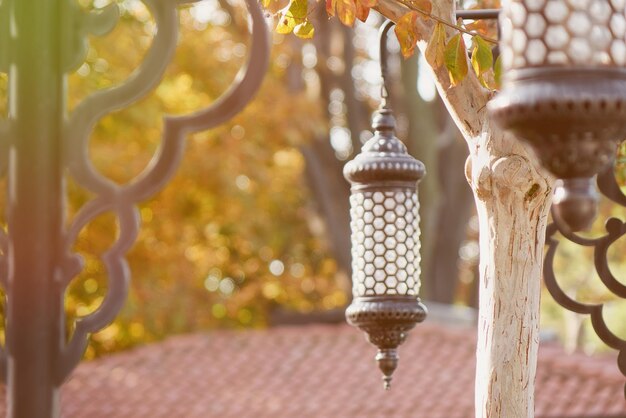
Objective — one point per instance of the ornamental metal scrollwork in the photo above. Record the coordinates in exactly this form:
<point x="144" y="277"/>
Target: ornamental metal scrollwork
<point x="121" y="199"/>
<point x="615" y="229"/>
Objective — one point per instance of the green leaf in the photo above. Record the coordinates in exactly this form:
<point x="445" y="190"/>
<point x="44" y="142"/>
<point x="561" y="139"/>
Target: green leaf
<point x="304" y="30"/>
<point x="482" y="57"/>
<point x="346" y="11"/>
<point x="456" y="59"/>
<point x="436" y="49"/>
<point x="497" y="72"/>
<point x="406" y="32"/>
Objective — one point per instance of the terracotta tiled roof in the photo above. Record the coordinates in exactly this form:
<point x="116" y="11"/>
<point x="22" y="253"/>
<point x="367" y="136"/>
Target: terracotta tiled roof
<point x="321" y="371"/>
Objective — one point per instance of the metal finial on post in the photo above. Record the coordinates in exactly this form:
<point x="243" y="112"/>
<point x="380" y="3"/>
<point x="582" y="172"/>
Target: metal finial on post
<point x="385" y="236"/>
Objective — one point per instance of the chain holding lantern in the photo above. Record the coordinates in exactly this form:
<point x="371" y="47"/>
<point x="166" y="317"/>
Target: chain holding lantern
<point x="385" y="236"/>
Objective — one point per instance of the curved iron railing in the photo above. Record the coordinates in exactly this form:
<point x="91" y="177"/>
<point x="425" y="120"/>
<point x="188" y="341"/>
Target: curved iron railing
<point x="63" y="28"/>
<point x="615" y="229"/>
<point x="122" y="199"/>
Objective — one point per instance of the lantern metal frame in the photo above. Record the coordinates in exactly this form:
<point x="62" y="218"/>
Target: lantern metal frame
<point x="564" y="93"/>
<point x="40" y="142"/>
<point x="385" y="176"/>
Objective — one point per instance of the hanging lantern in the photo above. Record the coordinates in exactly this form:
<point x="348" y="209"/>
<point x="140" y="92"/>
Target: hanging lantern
<point x="385" y="242"/>
<point x="564" y="91"/>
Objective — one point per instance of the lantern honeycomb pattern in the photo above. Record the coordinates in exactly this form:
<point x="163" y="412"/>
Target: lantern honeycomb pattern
<point x="385" y="243"/>
<point x="562" y="33"/>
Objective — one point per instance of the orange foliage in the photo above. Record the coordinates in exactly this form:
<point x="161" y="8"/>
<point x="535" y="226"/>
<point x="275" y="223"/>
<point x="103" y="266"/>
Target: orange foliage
<point x="231" y="235"/>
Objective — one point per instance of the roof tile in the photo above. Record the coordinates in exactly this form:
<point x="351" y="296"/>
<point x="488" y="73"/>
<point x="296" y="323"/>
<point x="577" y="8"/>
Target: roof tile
<point x="321" y="371"/>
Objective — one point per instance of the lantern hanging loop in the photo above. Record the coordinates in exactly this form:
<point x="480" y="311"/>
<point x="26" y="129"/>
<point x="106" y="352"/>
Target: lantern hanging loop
<point x="384" y="57"/>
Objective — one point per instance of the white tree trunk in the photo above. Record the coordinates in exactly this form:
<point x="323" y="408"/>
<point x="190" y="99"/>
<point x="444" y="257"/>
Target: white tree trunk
<point x="513" y="198"/>
<point x="512" y="202"/>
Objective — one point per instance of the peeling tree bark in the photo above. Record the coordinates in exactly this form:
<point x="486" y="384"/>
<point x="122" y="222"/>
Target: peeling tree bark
<point x="512" y="197"/>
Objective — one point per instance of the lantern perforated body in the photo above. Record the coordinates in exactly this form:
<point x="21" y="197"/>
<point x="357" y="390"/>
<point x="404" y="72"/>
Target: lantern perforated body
<point x="385" y="242"/>
<point x="564" y="91"/>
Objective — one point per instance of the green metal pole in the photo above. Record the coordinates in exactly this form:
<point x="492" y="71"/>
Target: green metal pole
<point x="35" y="207"/>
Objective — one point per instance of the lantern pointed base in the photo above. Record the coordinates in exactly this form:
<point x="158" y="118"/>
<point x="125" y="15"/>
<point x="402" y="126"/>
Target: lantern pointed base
<point x="575" y="202"/>
<point x="386" y="321"/>
<point x="387" y="362"/>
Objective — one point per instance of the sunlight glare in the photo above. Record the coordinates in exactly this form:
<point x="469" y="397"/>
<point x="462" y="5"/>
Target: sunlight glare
<point x="425" y="84"/>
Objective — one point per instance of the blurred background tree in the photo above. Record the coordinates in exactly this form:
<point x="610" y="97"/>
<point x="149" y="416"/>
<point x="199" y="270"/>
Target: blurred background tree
<point x="236" y="233"/>
<point x="257" y="218"/>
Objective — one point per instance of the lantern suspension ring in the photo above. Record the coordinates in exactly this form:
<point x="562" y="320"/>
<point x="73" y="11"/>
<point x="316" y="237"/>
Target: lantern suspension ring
<point x="385" y="235"/>
<point x="383" y="57"/>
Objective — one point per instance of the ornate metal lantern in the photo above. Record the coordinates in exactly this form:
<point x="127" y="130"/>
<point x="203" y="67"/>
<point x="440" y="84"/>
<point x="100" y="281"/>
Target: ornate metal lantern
<point x="385" y="238"/>
<point x="564" y="90"/>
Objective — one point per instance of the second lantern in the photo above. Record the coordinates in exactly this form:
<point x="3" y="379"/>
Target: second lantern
<point x="564" y="91"/>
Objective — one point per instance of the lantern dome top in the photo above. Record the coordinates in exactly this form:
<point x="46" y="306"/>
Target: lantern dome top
<point x="384" y="158"/>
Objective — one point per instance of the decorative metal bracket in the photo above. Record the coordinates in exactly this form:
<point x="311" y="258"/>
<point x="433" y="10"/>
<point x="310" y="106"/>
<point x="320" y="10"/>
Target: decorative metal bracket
<point x="122" y="199"/>
<point x="615" y="229"/>
<point x="111" y="197"/>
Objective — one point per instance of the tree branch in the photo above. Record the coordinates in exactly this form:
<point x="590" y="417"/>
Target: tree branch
<point x="500" y="171"/>
<point x="466" y="101"/>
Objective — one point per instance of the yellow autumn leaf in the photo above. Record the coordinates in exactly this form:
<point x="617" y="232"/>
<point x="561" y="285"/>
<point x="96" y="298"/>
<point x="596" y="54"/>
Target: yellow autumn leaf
<point x="285" y="24"/>
<point x="436" y="49"/>
<point x="368" y="3"/>
<point x="425" y="6"/>
<point x="330" y="7"/>
<point x="362" y="12"/>
<point x="304" y="30"/>
<point x="292" y="15"/>
<point x="406" y="32"/>
<point x="346" y="11"/>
